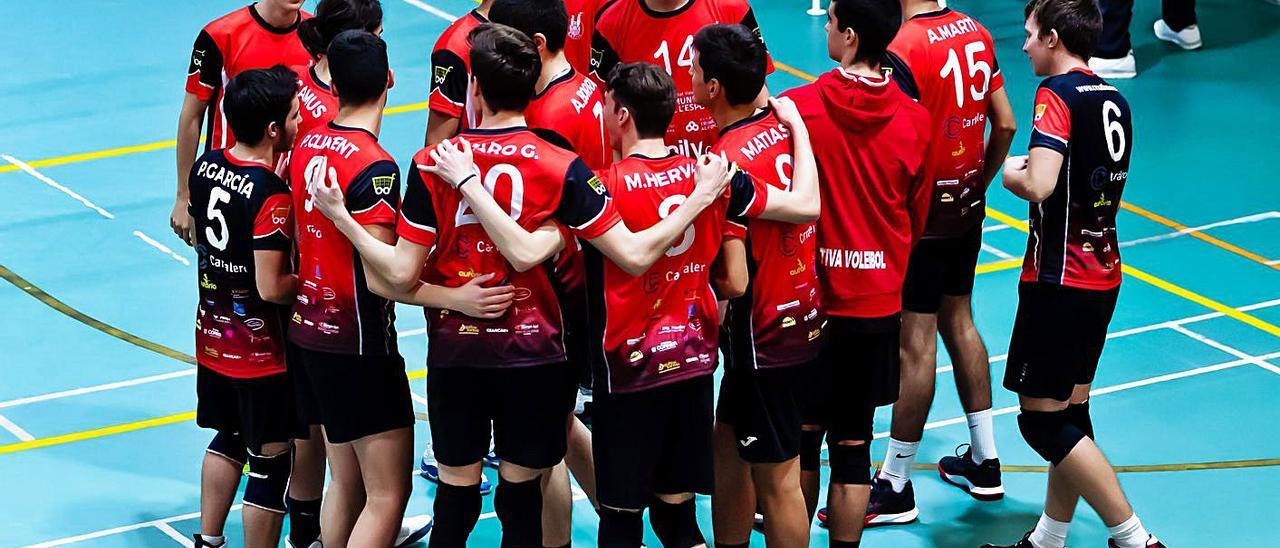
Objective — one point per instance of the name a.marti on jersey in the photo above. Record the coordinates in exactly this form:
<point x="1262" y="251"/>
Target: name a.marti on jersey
<point x="236" y="182"/>
<point x="952" y="30"/>
<point x="763" y="140"/>
<point x="852" y="259"/>
<point x="335" y="143"/>
<point x="658" y="179"/>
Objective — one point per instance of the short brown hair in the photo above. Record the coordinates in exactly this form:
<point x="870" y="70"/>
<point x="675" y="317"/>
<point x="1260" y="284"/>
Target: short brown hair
<point x="1078" y="22"/>
<point x="506" y="64"/>
<point x="648" y="92"/>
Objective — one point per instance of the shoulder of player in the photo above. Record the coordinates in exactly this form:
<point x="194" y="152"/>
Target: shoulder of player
<point x="230" y="22"/>
<point x="455" y="35"/>
<point x="731" y="10"/>
<point x="614" y="15"/>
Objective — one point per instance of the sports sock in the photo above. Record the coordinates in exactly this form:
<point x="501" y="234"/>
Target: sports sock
<point x="833" y="543"/>
<point x="457" y="508"/>
<point x="1050" y="533"/>
<point x="723" y="545"/>
<point x="304" y="521"/>
<point x="982" y="439"/>
<point x="898" y="460"/>
<point x="519" y="509"/>
<point x="210" y="540"/>
<point x="1130" y="533"/>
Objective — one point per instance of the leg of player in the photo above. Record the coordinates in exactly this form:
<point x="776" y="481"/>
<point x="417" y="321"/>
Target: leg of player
<point x="674" y="519"/>
<point x="557" y="507"/>
<point x="810" y="465"/>
<point x="518" y="503"/>
<point x="918" y="350"/>
<point x="219" y="479"/>
<point x="733" y="503"/>
<point x="306" y="487"/>
<point x="847" y="495"/>
<point x="345" y="497"/>
<point x="382" y="459"/>
<point x="457" y="504"/>
<point x="781" y="502"/>
<point x="1061" y="498"/>
<point x="978" y="469"/>
<point x="578" y="458"/>
<point x="264" y="496"/>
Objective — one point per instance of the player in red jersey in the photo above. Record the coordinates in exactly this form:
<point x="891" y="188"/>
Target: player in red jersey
<point x="949" y="58"/>
<point x="661" y="32"/>
<point x="582" y="24"/>
<point x="319" y="104"/>
<point x="449" y="112"/>
<point x="242" y="224"/>
<point x="1081" y="143"/>
<point x="870" y="139"/>
<point x="256" y="36"/>
<point x="776" y="325"/>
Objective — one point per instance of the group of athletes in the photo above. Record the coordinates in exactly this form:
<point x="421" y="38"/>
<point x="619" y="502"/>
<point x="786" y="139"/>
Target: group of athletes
<point x="608" y="200"/>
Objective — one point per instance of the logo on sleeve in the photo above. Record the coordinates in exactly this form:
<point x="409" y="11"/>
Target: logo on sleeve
<point x="197" y="57"/>
<point x="440" y="74"/>
<point x="596" y="185"/>
<point x="1040" y="108"/>
<point x="383" y="184"/>
<point x="597" y="57"/>
<point x="279" y="215"/>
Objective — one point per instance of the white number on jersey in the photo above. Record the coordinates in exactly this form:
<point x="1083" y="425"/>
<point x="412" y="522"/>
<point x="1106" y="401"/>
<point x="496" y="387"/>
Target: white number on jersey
<point x="685" y="59"/>
<point x="465" y="215"/>
<point x="314" y="174"/>
<point x="686" y="240"/>
<point x="218" y="239"/>
<point x="976" y="67"/>
<point x="1112" y="130"/>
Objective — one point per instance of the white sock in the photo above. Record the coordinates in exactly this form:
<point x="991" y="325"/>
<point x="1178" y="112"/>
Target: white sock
<point x="982" y="439"/>
<point x="898" y="461"/>
<point x="1050" y="533"/>
<point x="214" y="541"/>
<point x="1130" y="533"/>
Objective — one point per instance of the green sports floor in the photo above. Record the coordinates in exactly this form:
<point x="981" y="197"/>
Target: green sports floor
<point x="97" y="442"/>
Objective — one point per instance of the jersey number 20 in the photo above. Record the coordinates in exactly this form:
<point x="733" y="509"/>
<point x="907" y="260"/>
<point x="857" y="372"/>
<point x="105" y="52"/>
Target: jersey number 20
<point x="465" y="215"/>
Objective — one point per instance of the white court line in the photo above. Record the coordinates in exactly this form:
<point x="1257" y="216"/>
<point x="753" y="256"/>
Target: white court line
<point x="420" y="399"/>
<point x="1228" y="349"/>
<point x="163" y="248"/>
<point x="97" y="388"/>
<point x="121" y="529"/>
<point x="46" y="180"/>
<point x="996" y="228"/>
<point x="1238" y="220"/>
<point x="14" y="429"/>
<point x="996" y="251"/>
<point x="432" y="10"/>
<point x="173" y="533"/>
<point x="412" y="332"/>
<point x="1275" y="262"/>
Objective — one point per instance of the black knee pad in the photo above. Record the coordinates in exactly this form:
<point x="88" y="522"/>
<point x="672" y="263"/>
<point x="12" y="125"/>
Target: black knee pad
<point x="850" y="464"/>
<point x="811" y="450"/>
<point x="675" y="524"/>
<point x="229" y="446"/>
<point x="1078" y="414"/>
<point x="1051" y="434"/>
<point x="268" y="483"/>
<point x="620" y="528"/>
<point x="304" y="521"/>
<point x="519" y="508"/>
<point x="456" y="509"/>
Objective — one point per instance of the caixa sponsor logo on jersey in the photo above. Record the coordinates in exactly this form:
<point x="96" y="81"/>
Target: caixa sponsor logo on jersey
<point x="853" y="259"/>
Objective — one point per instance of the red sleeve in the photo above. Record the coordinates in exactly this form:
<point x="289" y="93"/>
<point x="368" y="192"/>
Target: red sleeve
<point x="417" y="222"/>
<point x="748" y="196"/>
<point x="1051" y="127"/>
<point x="373" y="197"/>
<point x="997" y="78"/>
<point x="448" y="83"/>
<point x="585" y="205"/>
<point x="734" y="230"/>
<point x="273" y="223"/>
<point x="204" y="74"/>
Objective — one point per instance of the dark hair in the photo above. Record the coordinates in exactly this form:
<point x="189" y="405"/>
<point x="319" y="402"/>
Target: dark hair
<point x="646" y="91"/>
<point x="875" y="22"/>
<point x="506" y="65"/>
<point x="1078" y="22"/>
<point x="546" y="17"/>
<point x="335" y="16"/>
<point x="732" y="55"/>
<point x="255" y="98"/>
<point x="358" y="67"/>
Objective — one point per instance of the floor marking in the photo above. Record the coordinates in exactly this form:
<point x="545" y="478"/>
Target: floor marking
<point x="996" y="228"/>
<point x="1225" y="348"/>
<point x="998" y="253"/>
<point x="163" y="248"/>
<point x="97" y="432"/>
<point x="1007" y="264"/>
<point x="432" y="10"/>
<point x="1149" y="215"/>
<point x="97" y="388"/>
<point x="95" y="155"/>
<point x="1188" y="231"/>
<point x="122" y="529"/>
<point x="19" y="164"/>
<point x="13" y="428"/>
<point x="172" y="533"/>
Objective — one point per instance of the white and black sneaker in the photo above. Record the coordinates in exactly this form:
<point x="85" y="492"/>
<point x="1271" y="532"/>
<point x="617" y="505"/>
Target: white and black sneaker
<point x="981" y="481"/>
<point x="1024" y="543"/>
<point x="1152" y="542"/>
<point x="889" y="507"/>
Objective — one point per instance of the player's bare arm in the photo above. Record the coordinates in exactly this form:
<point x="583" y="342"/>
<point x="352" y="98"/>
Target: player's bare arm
<point x="1034" y="176"/>
<point x="1003" y="127"/>
<point x="440" y="126"/>
<point x="188" y="141"/>
<point x="273" y="274"/>
<point x="803" y="202"/>
<point x="730" y="275"/>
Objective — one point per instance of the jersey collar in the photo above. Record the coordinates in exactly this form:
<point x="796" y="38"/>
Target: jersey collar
<point x="929" y="14"/>
<point x="766" y="111"/>
<point x="226" y="153"/>
<point x="559" y="79"/>
<point x="253" y="10"/>
<point x="665" y="14"/>
<point x="640" y="156"/>
<point x="336" y="127"/>
<point x="315" y="78"/>
<point x="495" y="130"/>
<point x="478" y="16"/>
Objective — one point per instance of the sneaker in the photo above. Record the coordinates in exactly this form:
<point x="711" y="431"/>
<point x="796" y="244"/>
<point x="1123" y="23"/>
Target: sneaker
<point x="582" y="407"/>
<point x="888" y="507"/>
<point x="757" y="523"/>
<point x="1115" y="69"/>
<point x="822" y="516"/>
<point x="491" y="460"/>
<point x="412" y="530"/>
<point x="1188" y="38"/>
<point x="1024" y="543"/>
<point x="431" y="470"/>
<point x="981" y="481"/>
<point x="314" y="544"/>
<point x="1152" y="542"/>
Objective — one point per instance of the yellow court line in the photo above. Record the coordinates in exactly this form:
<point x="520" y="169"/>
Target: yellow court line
<point x="97" y="432"/>
<point x="1152" y="216"/>
<point x="997" y="266"/>
<point x="793" y="71"/>
<point x="96" y="155"/>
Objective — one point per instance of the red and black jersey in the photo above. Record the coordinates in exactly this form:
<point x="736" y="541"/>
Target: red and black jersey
<point x="572" y="106"/>
<point x="236" y="42"/>
<point x="870" y="140"/>
<point x="238" y="207"/>
<point x="629" y="31"/>
<point x="660" y="327"/>
<point x="778" y="322"/>
<point x="534" y="181"/>
<point x="951" y="61"/>
<point x="582" y="24"/>
<point x="335" y="311"/>
<point x="1073" y="232"/>
<point x="317" y="105"/>
<point x="451" y="69"/>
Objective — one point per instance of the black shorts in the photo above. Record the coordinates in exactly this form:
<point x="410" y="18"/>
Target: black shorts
<point x="304" y="396"/>
<point x="940" y="266"/>
<point x="763" y="407"/>
<point x="260" y="410"/>
<point x="527" y="408"/>
<point x="857" y="371"/>
<point x="1057" y="338"/>
<point x="356" y="395"/>
<point x="651" y="442"/>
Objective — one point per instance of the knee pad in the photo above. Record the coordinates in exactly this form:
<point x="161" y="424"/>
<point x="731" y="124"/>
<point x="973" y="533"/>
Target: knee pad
<point x="1078" y="414"/>
<point x="850" y="463"/>
<point x="456" y="509"/>
<point x="811" y="450"/>
<point x="230" y="447"/>
<point x="1051" y="434"/>
<point x="519" y="508"/>
<point x="269" y="480"/>
<point x="675" y="524"/>
<point x="620" y="528"/>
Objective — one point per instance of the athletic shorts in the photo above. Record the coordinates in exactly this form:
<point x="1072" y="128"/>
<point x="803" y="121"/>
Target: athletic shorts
<point x="356" y="395"/>
<point x="527" y="408"/>
<point x="1057" y="338"/>
<point x="260" y="410"/>
<point x="653" y="442"/>
<point x="763" y="407"/>
<point x="857" y="371"/>
<point x="940" y="266"/>
<point x="304" y="396"/>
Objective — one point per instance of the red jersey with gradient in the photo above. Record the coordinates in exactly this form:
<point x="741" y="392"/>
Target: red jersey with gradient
<point x="572" y="106"/>
<point x="238" y="207"/>
<point x="335" y="311"/>
<point x="629" y="31"/>
<point x="582" y="24"/>
<point x="236" y="42"/>
<point x="951" y="59"/>
<point x="778" y="322"/>
<point x="661" y="327"/>
<point x="317" y="105"/>
<point x="1072" y="239"/>
<point x="534" y="181"/>
<point x="869" y="139"/>
<point x="451" y="69"/>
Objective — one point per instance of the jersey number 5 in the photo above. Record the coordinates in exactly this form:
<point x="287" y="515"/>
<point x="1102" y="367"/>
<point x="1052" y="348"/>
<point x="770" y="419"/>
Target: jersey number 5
<point x="976" y="67"/>
<point x="465" y="215"/>
<point x="217" y="238"/>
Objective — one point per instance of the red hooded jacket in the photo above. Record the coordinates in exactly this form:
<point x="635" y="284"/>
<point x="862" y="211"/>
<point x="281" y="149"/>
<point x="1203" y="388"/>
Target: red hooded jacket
<point x="870" y="140"/>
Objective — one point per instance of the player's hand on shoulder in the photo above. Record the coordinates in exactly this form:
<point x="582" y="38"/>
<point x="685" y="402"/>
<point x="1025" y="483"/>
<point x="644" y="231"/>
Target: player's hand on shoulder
<point x="477" y="301"/>
<point x="452" y="161"/>
<point x="327" y="197"/>
<point x="181" y="223"/>
<point x="785" y="109"/>
<point x="712" y="176"/>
